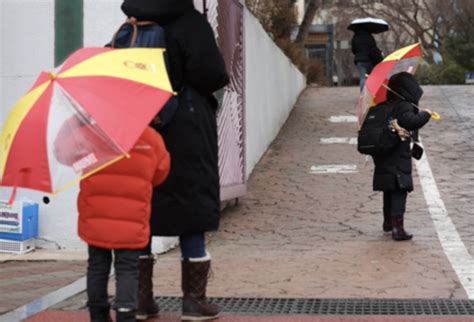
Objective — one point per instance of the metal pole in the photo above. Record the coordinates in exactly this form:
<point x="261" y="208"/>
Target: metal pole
<point x="69" y="28"/>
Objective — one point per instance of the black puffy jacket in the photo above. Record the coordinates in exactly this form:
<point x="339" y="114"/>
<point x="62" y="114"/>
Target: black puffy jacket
<point x="365" y="49"/>
<point x="393" y="171"/>
<point x="188" y="201"/>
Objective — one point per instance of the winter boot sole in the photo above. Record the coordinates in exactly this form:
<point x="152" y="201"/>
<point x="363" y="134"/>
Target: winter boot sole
<point x="198" y="318"/>
<point x="402" y="238"/>
<point x="143" y="317"/>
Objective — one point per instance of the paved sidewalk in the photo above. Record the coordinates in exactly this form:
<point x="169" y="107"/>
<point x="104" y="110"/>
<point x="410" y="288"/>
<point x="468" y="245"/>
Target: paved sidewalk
<point x="297" y="234"/>
<point x="25" y="278"/>
<point x="303" y="235"/>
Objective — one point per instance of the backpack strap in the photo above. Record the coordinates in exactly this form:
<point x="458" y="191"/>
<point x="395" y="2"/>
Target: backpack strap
<point x="135" y="24"/>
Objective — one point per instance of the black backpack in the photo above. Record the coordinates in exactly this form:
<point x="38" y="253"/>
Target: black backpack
<point x="146" y="34"/>
<point x="375" y="136"/>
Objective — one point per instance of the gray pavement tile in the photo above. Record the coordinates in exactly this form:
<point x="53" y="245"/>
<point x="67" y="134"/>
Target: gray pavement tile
<point x="22" y="282"/>
<point x="301" y="235"/>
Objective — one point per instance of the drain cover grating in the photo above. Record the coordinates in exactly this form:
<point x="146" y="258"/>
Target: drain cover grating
<point x="286" y="306"/>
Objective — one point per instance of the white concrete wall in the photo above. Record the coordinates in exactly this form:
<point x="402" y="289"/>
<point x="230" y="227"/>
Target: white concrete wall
<point x="27" y="48"/>
<point x="272" y="87"/>
<point x="27" y="38"/>
<point x="101" y="20"/>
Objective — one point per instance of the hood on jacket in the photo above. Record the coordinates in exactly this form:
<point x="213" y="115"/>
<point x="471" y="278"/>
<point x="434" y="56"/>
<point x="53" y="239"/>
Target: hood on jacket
<point x="161" y="11"/>
<point x="406" y="85"/>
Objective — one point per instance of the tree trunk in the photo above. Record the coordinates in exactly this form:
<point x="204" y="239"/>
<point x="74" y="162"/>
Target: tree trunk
<point x="307" y="21"/>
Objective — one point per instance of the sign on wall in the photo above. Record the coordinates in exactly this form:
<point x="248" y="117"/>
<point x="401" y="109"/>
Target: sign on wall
<point x="11" y="217"/>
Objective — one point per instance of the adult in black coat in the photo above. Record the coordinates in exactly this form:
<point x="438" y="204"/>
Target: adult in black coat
<point x="187" y="204"/>
<point x="393" y="171"/>
<point x="366" y="53"/>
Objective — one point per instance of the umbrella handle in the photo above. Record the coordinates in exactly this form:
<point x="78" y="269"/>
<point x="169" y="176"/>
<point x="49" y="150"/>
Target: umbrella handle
<point x="435" y="116"/>
<point x="12" y="196"/>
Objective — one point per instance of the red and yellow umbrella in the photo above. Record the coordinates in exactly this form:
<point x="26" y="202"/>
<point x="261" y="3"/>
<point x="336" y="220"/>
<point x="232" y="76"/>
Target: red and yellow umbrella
<point x="405" y="59"/>
<point x="113" y="93"/>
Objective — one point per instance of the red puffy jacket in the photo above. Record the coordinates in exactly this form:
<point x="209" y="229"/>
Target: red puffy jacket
<point x="114" y="204"/>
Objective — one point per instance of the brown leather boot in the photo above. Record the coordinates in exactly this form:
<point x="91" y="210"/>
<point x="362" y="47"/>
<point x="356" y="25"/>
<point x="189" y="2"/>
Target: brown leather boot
<point x="147" y="306"/>
<point x="398" y="232"/>
<point x="387" y="222"/>
<point x="194" y="276"/>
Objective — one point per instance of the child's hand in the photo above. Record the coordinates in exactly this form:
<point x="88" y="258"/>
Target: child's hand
<point x="434" y="115"/>
<point x="430" y="112"/>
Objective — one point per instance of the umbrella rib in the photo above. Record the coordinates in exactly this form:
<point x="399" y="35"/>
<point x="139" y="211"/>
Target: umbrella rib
<point x="69" y="185"/>
<point x="400" y="96"/>
<point x="87" y="119"/>
<point x="391" y="90"/>
<point x="110" y="139"/>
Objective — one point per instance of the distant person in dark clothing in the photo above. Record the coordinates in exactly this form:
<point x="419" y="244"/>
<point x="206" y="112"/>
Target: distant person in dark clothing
<point x="392" y="173"/>
<point x="188" y="203"/>
<point x="366" y="53"/>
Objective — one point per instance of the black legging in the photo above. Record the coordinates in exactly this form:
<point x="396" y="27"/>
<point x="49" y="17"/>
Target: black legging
<point x="394" y="202"/>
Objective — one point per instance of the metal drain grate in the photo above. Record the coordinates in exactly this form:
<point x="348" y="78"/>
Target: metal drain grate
<point x="286" y="306"/>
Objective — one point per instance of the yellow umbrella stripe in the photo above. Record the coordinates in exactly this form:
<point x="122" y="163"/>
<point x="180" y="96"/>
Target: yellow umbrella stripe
<point x="14" y="119"/>
<point x="141" y="65"/>
<point x="396" y="55"/>
<point x="86" y="175"/>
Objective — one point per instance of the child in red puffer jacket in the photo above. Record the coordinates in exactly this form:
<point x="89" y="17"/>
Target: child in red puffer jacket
<point x="114" y="215"/>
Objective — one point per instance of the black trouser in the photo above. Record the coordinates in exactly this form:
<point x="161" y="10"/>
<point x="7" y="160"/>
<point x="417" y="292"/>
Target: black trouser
<point x="394" y="202"/>
<point x="126" y="277"/>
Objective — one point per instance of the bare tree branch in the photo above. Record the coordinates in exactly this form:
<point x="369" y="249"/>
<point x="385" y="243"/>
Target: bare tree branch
<point x="308" y="18"/>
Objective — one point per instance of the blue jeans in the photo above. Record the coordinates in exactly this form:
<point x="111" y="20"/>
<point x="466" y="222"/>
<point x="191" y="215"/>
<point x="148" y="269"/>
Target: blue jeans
<point x="363" y="68"/>
<point x="192" y="246"/>
<point x="126" y="277"/>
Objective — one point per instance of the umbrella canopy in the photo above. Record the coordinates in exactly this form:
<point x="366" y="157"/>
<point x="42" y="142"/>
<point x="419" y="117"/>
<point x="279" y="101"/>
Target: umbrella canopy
<point x="405" y="59"/>
<point x="112" y="94"/>
<point x="372" y="25"/>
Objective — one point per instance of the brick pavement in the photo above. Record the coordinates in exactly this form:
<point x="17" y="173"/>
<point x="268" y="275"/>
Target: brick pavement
<point x="21" y="282"/>
<point x="81" y="316"/>
<point x="297" y="234"/>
